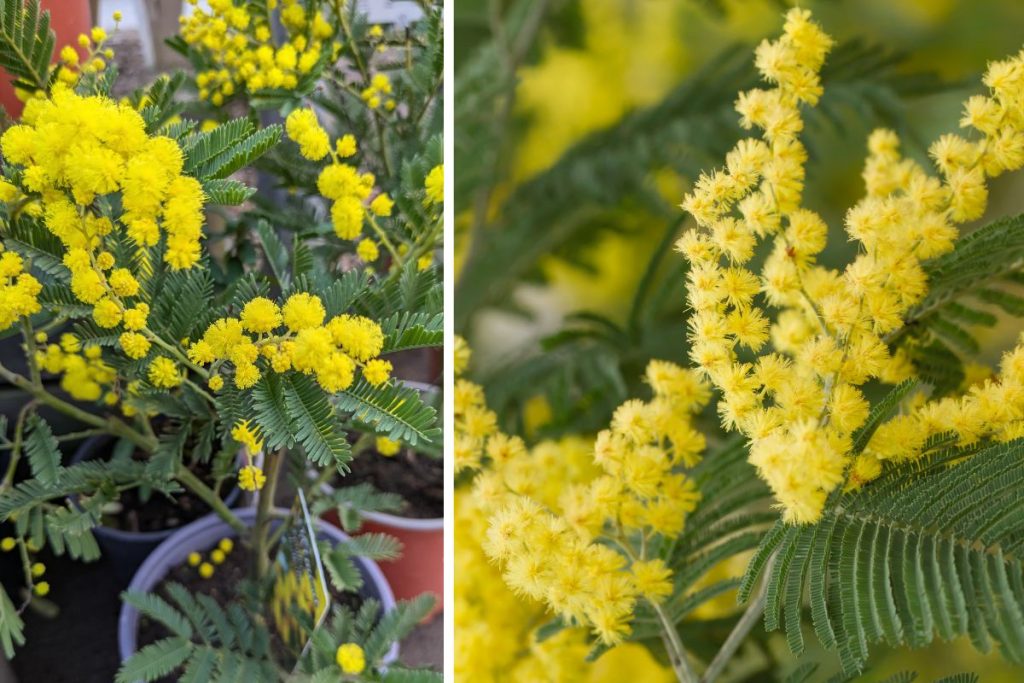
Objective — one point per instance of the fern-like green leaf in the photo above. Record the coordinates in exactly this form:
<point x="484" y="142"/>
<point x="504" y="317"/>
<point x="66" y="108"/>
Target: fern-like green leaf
<point x="42" y="450"/>
<point x="403" y="331"/>
<point x="931" y="548"/>
<point x="391" y="409"/>
<point x="227" y="192"/>
<point x="154" y="661"/>
<point x="158" y="609"/>
<point x="314" y="423"/>
<point x="12" y="628"/>
<point x="26" y="43"/>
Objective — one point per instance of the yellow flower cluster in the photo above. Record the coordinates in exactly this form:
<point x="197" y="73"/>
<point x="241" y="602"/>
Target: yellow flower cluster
<point x="434" y="186"/>
<point x="74" y="149"/>
<point x="800" y="403"/>
<point x="250" y="477"/>
<point x="378" y="93"/>
<point x="18" y="289"/>
<point x="342" y="183"/>
<point x="553" y="533"/>
<point x="204" y="568"/>
<point x="73" y="65"/>
<point x="330" y="351"/>
<point x="86" y="377"/>
<point x="237" y="41"/>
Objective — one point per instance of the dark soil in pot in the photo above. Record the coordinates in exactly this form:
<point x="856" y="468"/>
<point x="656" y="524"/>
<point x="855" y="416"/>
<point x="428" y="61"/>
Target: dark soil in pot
<point x="222" y="587"/>
<point x="417" y="478"/>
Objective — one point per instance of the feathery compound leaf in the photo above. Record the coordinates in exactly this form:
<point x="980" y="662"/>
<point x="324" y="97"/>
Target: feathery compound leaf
<point x="394" y="410"/>
<point x="26" y="43"/>
<point x="241" y="154"/>
<point x="403" y="331"/>
<point x="154" y="661"/>
<point x="200" y="148"/>
<point x="400" y="675"/>
<point x="268" y="400"/>
<point x="227" y="192"/>
<point x="277" y="253"/>
<point x="43" y="451"/>
<point x="12" y="628"/>
<point x="933" y="547"/>
<point x="314" y="422"/>
<point x="397" y="624"/>
<point x="156" y="608"/>
<point x="375" y="546"/>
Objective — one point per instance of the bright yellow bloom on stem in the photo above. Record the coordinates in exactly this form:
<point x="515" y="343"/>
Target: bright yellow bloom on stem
<point x="246" y="435"/>
<point x="799" y="402"/>
<point x="367" y="250"/>
<point x="434" y="186"/>
<point x="350" y="658"/>
<point x="18" y="290"/>
<point x="164" y="373"/>
<point x="387" y="447"/>
<point x="302" y="127"/>
<point x="557" y="513"/>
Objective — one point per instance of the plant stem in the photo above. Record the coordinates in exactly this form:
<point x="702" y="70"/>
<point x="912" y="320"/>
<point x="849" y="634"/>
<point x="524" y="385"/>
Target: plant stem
<point x="30" y="352"/>
<point x="739" y="631"/>
<point x="206" y="494"/>
<point x="385" y="240"/>
<point x="676" y="651"/>
<point x="19" y="437"/>
<point x="111" y="425"/>
<point x="735" y="639"/>
<point x="263" y="508"/>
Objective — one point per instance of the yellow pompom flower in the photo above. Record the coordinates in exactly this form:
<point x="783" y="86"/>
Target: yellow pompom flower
<point x="367" y="250"/>
<point x="164" y="373"/>
<point x="303" y="127"/>
<point x="134" y="345"/>
<point x="260" y="315"/>
<point x="382" y="205"/>
<point x="216" y="382"/>
<point x="351" y="658"/>
<point x="434" y="186"/>
<point x="246" y="435"/>
<point x="42" y="589"/>
<point x="387" y="447"/>
<point x="251" y="478"/>
<point x="206" y="570"/>
<point x="303" y="311"/>
<point x="377" y="371"/>
<point x="346" y="146"/>
<point x="194" y="559"/>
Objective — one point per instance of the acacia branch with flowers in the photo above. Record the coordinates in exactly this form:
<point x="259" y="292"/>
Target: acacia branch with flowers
<point x="197" y="358"/>
<point x="896" y="519"/>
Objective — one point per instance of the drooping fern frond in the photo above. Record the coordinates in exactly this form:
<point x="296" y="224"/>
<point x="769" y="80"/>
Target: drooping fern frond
<point x="26" y="43"/>
<point x="931" y="548"/>
<point x="12" y="628"/>
<point x="42" y="451"/>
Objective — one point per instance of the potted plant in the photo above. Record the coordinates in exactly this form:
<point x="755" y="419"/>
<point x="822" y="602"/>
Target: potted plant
<point x="201" y="558"/>
<point x="199" y="342"/>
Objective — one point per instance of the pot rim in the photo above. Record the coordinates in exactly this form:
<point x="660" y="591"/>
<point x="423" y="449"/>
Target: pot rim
<point x="158" y="563"/>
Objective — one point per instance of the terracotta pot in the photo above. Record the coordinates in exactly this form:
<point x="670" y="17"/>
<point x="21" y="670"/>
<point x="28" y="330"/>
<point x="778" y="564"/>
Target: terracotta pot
<point x="420" y="569"/>
<point x="68" y="18"/>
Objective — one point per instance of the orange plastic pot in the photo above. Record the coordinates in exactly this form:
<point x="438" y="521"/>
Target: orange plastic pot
<point x="420" y="569"/>
<point x="68" y="18"/>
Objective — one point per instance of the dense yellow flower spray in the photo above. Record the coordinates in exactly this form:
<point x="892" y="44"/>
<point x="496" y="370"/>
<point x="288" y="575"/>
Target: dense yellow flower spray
<point x="575" y="532"/>
<point x="237" y="40"/>
<point x="293" y="336"/>
<point x="800" y="403"/>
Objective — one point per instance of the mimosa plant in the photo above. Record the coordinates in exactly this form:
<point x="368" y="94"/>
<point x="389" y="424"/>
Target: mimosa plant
<point x="875" y="475"/>
<point x="257" y="359"/>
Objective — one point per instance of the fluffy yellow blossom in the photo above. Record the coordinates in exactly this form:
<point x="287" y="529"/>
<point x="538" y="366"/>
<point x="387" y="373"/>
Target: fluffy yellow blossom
<point x="367" y="250"/>
<point x="302" y="127"/>
<point x="387" y="447"/>
<point x="164" y="373"/>
<point x="84" y="374"/>
<point x="434" y="186"/>
<point x="377" y="371"/>
<point x="798" y="399"/>
<point x="237" y="42"/>
<point x="350" y="658"/>
<point x="18" y="290"/>
<point x="346" y="146"/>
<point x="382" y="205"/>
